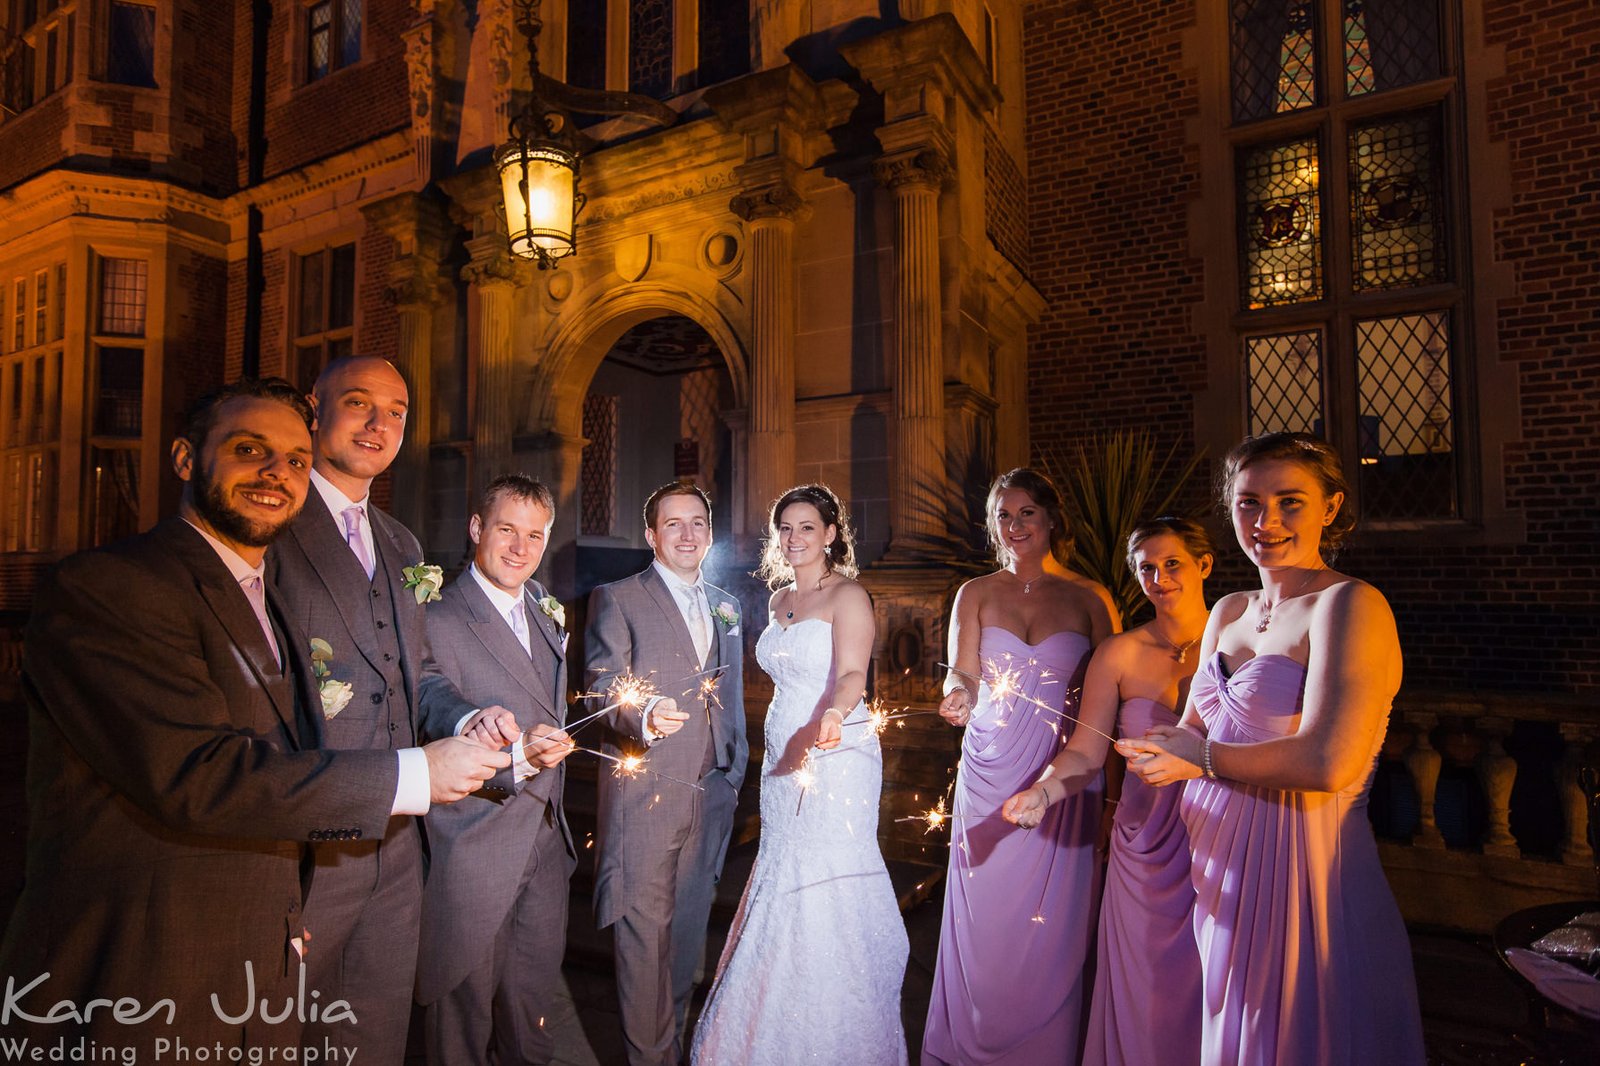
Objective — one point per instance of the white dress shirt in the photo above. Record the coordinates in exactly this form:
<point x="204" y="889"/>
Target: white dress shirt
<point x="506" y="605"/>
<point x="689" y="597"/>
<point x="338" y="503"/>
<point x="413" y="792"/>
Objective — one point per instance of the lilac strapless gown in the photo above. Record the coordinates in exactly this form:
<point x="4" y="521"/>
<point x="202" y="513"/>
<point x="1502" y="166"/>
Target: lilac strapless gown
<point x="1304" y="959"/>
<point x="1146" y="963"/>
<point x="1019" y="905"/>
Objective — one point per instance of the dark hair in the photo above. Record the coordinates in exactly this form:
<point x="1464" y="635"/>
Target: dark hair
<point x="202" y="414"/>
<point x="518" y="487"/>
<point x="652" y="506"/>
<point x="841" y="554"/>
<point x="1044" y="493"/>
<point x="1196" y="541"/>
<point x="1315" y="455"/>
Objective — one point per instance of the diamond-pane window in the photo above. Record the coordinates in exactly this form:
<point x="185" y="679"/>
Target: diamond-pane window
<point x="1389" y="43"/>
<point x="1280" y="224"/>
<point x="131" y="45"/>
<point x="598" y="471"/>
<point x="1394" y="189"/>
<point x="349" y="31"/>
<point x="319" y="40"/>
<point x="1405" y="382"/>
<point x="1274" y="57"/>
<point x="1285" y="378"/>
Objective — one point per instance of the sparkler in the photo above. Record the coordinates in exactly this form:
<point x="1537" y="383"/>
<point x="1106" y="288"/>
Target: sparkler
<point x="1004" y="687"/>
<point x="633" y="766"/>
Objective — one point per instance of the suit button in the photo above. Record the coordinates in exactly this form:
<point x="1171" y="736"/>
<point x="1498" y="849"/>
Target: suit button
<point x="388" y="658"/>
<point x="376" y="593"/>
<point x="381" y="625"/>
<point x="393" y="728"/>
<point x="391" y="692"/>
<point x="377" y="697"/>
<point x="355" y="834"/>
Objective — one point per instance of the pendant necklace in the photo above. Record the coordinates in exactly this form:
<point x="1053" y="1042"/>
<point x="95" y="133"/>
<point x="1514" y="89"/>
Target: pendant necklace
<point x="1180" y="652"/>
<point x="1027" y="586"/>
<point x="1268" y="608"/>
<point x="795" y="592"/>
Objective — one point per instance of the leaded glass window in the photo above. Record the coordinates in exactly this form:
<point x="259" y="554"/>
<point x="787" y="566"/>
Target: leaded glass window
<point x="131" y="45"/>
<point x="332" y="36"/>
<point x="324" y="310"/>
<point x="598" y="473"/>
<point x="1395" y="201"/>
<point x="1274" y="57"/>
<point x="122" y="296"/>
<point x="1281" y="245"/>
<point x="1404" y="376"/>
<point x="1284" y="372"/>
<point x="1389" y="43"/>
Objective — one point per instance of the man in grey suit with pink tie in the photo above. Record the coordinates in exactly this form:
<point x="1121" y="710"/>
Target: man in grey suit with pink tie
<point x="494" y="912"/>
<point x="662" y="845"/>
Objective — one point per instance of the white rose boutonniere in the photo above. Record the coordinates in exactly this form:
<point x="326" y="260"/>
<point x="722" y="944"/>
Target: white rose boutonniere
<point x="728" y="615"/>
<point x="553" y="610"/>
<point x="424" y="580"/>
<point x="335" y="693"/>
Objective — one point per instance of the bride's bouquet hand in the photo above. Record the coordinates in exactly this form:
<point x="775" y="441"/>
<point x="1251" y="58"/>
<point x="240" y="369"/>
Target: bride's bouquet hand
<point x="830" y="732"/>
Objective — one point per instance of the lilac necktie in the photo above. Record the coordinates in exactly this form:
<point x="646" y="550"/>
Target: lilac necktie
<point x="258" y="603"/>
<point x="352" y="534"/>
<point x="518" y="617"/>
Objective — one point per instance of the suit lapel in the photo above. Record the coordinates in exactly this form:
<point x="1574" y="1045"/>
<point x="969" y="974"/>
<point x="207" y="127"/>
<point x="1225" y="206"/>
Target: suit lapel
<point x="532" y="593"/>
<point x="336" y="566"/>
<point x="668" y="603"/>
<point x="494" y="633"/>
<point x="307" y="690"/>
<point x="227" y="601"/>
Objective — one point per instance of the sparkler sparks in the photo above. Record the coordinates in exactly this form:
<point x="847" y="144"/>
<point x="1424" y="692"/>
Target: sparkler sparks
<point x="1003" y="685"/>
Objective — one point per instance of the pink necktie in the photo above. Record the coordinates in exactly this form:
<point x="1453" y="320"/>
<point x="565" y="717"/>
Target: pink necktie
<point x="258" y="603"/>
<point x="352" y="535"/>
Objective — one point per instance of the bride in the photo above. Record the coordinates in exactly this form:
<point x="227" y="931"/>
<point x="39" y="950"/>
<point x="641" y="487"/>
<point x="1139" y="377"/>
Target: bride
<point x="813" y="964"/>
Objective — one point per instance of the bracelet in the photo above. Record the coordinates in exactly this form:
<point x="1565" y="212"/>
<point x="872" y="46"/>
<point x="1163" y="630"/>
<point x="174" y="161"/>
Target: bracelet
<point x="834" y="710"/>
<point x="1205" y="758"/>
<point x="1110" y="802"/>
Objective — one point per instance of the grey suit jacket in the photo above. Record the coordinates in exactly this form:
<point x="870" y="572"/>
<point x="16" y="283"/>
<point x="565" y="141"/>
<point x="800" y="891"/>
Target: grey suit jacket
<point x="480" y="845"/>
<point x="327" y="593"/>
<point x="174" y="781"/>
<point x="635" y="625"/>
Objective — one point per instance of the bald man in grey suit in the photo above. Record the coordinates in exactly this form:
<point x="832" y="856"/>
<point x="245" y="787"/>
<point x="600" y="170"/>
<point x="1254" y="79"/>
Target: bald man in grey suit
<point x="661" y="844"/>
<point x="494" y="912"/>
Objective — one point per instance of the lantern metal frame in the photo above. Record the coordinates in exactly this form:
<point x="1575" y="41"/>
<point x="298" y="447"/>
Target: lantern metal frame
<point x="543" y="133"/>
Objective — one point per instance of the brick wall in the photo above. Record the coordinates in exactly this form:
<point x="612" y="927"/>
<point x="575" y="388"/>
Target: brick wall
<point x="1005" y="202"/>
<point x="31" y="142"/>
<point x="1112" y="111"/>
<point x="202" y="94"/>
<point x="379" y="333"/>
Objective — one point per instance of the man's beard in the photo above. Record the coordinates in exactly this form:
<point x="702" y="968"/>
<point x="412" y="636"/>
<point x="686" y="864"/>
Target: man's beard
<point x="211" y="504"/>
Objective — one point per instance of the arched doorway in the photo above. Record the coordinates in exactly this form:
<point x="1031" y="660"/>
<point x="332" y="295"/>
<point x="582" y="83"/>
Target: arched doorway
<point x="653" y="413"/>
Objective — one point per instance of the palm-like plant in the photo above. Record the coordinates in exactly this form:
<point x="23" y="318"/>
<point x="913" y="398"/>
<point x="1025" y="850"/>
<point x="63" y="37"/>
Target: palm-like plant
<point x="1110" y="484"/>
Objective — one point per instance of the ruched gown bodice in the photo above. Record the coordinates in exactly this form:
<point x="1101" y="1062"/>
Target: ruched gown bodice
<point x="1304" y="959"/>
<point x="1020" y="905"/>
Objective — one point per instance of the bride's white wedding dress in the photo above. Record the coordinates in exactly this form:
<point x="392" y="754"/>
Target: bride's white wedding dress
<point x="813" y="964"/>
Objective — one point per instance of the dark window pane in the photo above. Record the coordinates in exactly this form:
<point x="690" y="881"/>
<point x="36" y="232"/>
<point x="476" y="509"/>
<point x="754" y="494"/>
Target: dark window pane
<point x="586" y="43"/>
<point x="1274" y="57"/>
<point x="122" y="296"/>
<point x="1389" y="43"/>
<point x="51" y="54"/>
<point x="1280" y="231"/>
<point x="1396" y="219"/>
<point x="342" y="287"/>
<point x="650" y="47"/>
<point x="1285" y="377"/>
<point x="349" y="31"/>
<point x="307" y="365"/>
<point x="598" y="470"/>
<point x="119" y="395"/>
<point x="725" y="40"/>
<point x="61" y="301"/>
<point x="113" y="494"/>
<point x="131" y="56"/>
<point x="319" y="40"/>
<point x="72" y="38"/>
<point x="310" y="318"/>
<point x="14" y="421"/>
<point x="1406" y="436"/>
<point x="19" y="333"/>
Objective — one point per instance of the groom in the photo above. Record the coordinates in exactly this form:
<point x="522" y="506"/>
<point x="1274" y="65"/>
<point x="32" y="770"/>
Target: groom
<point x="662" y="843"/>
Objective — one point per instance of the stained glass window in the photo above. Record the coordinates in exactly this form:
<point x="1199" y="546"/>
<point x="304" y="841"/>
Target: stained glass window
<point x="1274" y="57"/>
<point x="1389" y="43"/>
<point x="1394" y="192"/>
<point x="1284" y="372"/>
<point x="598" y="471"/>
<point x="1280" y="224"/>
<point x="1405" y="384"/>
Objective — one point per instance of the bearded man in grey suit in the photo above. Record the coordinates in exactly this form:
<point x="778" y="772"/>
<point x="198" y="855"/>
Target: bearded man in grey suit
<point x="341" y="567"/>
<point x="494" y="913"/>
<point x="176" y="775"/>
<point x="662" y="845"/>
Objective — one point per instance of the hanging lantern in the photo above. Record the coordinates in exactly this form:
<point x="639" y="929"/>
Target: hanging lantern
<point x="538" y="183"/>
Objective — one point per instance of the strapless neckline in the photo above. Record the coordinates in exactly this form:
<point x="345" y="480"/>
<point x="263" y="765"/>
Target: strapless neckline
<point x="1039" y="643"/>
<point x="1228" y="675"/>
<point x="785" y="628"/>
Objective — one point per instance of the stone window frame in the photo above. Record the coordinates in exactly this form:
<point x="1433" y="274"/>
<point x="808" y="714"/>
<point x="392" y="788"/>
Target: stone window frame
<point x="60" y="24"/>
<point x="328" y="342"/>
<point x="299" y="41"/>
<point x="1486" y="406"/>
<point x="31" y="408"/>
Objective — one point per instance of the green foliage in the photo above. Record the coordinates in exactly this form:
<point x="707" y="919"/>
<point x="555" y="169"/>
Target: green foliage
<point x="1110" y="484"/>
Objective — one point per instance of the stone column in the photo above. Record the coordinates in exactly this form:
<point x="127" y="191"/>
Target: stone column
<point x="492" y="274"/>
<point x="918" y="497"/>
<point x="769" y="216"/>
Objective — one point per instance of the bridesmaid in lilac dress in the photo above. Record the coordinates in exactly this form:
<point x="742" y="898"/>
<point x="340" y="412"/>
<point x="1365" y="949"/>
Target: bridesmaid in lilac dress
<point x="1019" y="906"/>
<point x="1303" y="955"/>
<point x="1146" y="963"/>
